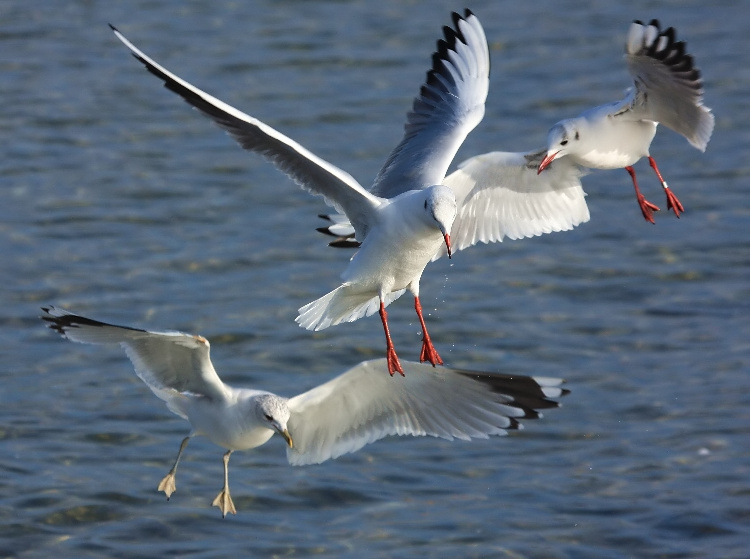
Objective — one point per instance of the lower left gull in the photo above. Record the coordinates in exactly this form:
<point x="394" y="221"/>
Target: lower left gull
<point x="326" y="421"/>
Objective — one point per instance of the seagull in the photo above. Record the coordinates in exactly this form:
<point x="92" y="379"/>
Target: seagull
<point x="340" y="416"/>
<point x="408" y="213"/>
<point x="668" y="89"/>
<point x="500" y="195"/>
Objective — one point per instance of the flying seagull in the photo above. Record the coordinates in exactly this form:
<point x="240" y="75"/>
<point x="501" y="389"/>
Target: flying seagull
<point x="668" y="89"/>
<point x="407" y="215"/>
<point x="340" y="416"/>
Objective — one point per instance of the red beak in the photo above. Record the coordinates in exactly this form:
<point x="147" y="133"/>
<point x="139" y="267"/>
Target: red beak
<point x="546" y="161"/>
<point x="448" y="244"/>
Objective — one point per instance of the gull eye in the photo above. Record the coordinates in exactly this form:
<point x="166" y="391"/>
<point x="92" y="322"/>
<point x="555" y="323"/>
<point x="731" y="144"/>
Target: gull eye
<point x="564" y="143"/>
<point x="425" y="204"/>
<point x="268" y="417"/>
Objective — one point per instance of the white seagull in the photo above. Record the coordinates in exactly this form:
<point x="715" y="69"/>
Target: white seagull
<point x="668" y="89"/>
<point x="407" y="214"/>
<point x="500" y="195"/>
<point x="356" y="408"/>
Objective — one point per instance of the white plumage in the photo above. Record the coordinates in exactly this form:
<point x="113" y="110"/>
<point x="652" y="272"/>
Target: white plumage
<point x="407" y="215"/>
<point x="500" y="195"/>
<point x="354" y="409"/>
<point x="667" y="89"/>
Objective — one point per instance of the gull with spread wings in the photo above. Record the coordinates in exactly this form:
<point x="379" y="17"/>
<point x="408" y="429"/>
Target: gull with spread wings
<point x="667" y="89"/>
<point x="407" y="215"/>
<point x="340" y="416"/>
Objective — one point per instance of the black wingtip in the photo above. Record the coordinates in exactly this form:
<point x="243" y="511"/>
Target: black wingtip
<point x="452" y="35"/>
<point x="66" y="321"/>
<point x="456" y="17"/>
<point x="56" y="323"/>
<point x="344" y="243"/>
<point x="113" y="28"/>
<point x="340" y="242"/>
<point x="526" y="392"/>
<point x="673" y="54"/>
<point x="325" y="231"/>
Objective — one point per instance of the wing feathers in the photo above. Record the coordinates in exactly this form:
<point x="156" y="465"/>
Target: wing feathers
<point x="168" y="362"/>
<point x="449" y="105"/>
<point x="499" y="195"/>
<point x="314" y="174"/>
<point x="668" y="84"/>
<point x="365" y="404"/>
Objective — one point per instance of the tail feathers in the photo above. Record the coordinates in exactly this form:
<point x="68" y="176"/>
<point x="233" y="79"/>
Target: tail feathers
<point x="341" y="305"/>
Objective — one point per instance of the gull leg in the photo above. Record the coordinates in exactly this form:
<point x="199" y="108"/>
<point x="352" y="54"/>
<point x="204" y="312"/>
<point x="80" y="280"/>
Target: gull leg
<point x="393" y="363"/>
<point x="223" y="500"/>
<point x="167" y="484"/>
<point x="647" y="208"/>
<point x="672" y="202"/>
<point x="429" y="353"/>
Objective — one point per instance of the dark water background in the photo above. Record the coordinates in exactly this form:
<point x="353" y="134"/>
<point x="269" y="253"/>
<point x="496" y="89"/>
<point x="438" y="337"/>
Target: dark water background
<point x="120" y="203"/>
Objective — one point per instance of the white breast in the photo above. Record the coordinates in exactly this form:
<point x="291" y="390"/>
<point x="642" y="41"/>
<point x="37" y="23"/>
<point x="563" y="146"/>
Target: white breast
<point x="613" y="143"/>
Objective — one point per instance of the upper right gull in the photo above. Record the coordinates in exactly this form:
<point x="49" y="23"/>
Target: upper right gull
<point x="668" y="90"/>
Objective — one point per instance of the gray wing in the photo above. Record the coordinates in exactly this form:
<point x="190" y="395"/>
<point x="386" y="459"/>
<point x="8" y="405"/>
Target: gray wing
<point x="366" y="404"/>
<point x="500" y="194"/>
<point x="450" y="104"/>
<point x="338" y="188"/>
<point x="668" y="85"/>
<point x="168" y="362"/>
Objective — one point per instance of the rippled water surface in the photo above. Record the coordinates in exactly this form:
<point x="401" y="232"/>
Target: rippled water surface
<point x="121" y="203"/>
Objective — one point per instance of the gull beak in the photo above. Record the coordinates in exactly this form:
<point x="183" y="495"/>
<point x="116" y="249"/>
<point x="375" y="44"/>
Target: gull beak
<point x="546" y="161"/>
<point x="287" y="437"/>
<point x="447" y="238"/>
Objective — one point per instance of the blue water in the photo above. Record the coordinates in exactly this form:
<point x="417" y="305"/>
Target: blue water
<point x="121" y="203"/>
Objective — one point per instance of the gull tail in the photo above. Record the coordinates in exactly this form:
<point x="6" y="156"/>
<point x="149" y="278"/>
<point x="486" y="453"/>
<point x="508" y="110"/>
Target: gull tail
<point x="343" y="304"/>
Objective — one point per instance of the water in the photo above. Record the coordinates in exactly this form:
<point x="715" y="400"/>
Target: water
<point x="121" y="203"/>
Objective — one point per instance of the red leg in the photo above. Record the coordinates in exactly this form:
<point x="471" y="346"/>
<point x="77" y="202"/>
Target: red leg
<point x="429" y="353"/>
<point x="647" y="208"/>
<point x="672" y="202"/>
<point x="390" y="352"/>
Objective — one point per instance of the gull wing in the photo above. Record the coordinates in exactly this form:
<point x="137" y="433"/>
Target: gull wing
<point x="500" y="194"/>
<point x="339" y="189"/>
<point x="366" y="404"/>
<point x="450" y="104"/>
<point x="170" y="363"/>
<point x="668" y="85"/>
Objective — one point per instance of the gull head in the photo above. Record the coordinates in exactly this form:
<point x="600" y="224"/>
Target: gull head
<point x="561" y="140"/>
<point x="273" y="411"/>
<point x="440" y="210"/>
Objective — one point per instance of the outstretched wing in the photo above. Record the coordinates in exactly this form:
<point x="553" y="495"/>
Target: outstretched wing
<point x="668" y="85"/>
<point x="450" y="104"/>
<point x="500" y="194"/>
<point x="168" y="362"/>
<point x="338" y="188"/>
<point x="366" y="404"/>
